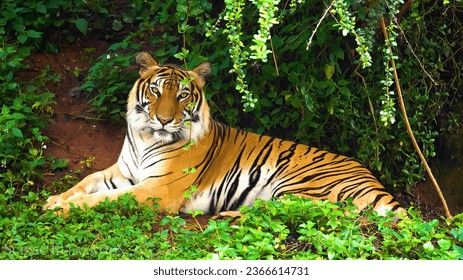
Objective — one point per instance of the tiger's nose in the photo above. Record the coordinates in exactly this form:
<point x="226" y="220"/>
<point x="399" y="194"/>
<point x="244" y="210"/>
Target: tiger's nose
<point x="164" y="120"/>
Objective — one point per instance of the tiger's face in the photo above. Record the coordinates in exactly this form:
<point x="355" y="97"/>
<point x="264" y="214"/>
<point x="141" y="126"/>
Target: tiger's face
<point x="167" y="101"/>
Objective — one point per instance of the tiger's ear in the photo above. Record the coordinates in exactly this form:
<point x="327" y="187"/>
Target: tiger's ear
<point x="203" y="70"/>
<point x="145" y="61"/>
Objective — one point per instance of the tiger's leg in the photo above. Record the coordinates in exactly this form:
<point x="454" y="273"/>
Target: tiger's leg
<point x="109" y="179"/>
<point x="169" y="198"/>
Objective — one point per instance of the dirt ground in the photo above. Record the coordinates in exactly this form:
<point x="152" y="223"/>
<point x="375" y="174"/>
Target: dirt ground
<point x="78" y="137"/>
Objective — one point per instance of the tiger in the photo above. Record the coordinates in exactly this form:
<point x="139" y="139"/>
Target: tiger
<point x="173" y="145"/>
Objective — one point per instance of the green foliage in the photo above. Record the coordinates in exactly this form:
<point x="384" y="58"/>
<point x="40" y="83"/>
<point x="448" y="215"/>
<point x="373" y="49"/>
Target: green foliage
<point x="286" y="228"/>
<point x="233" y="16"/>
<point x="110" y="99"/>
<point x="43" y="24"/>
<point x="24" y="112"/>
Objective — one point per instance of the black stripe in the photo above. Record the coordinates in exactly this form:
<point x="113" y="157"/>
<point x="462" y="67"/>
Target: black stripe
<point x="159" y="176"/>
<point x="285" y="156"/>
<point x="128" y="168"/>
<point x="132" y="150"/>
<point x="112" y="183"/>
<point x="378" y="198"/>
<point x="241" y="198"/>
<point x="105" y="182"/>
<point x="139" y="108"/>
<point x="231" y="191"/>
<point x="213" y="202"/>
<point x="155" y="162"/>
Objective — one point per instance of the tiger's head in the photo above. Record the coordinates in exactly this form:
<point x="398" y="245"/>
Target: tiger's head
<point x="167" y="102"/>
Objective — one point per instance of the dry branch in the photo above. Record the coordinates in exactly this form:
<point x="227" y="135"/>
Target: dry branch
<point x="410" y="131"/>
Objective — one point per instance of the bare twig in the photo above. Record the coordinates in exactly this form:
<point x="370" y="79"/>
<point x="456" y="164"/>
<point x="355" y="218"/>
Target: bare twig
<point x="318" y="25"/>
<point x="274" y="58"/>
<point x="409" y="129"/>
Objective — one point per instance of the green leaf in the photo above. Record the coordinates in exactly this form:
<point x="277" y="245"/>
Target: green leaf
<point x="183" y="54"/>
<point x="189" y="170"/>
<point x="338" y="52"/>
<point x="182" y="9"/>
<point x="229" y="98"/>
<point x="457" y="234"/>
<point x="22" y="38"/>
<point x="33" y="34"/>
<point x="59" y="163"/>
<point x="444" y="244"/>
<point x="82" y="25"/>
<point x="18" y="116"/>
<point x="117" y="25"/>
<point x="41" y="8"/>
<point x="58" y="22"/>
<point x="5" y="110"/>
<point x="329" y="71"/>
<point x="25" y="51"/>
<point x="428" y="247"/>
<point x="330" y="106"/>
<point x="17" y="132"/>
<point x="54" y="4"/>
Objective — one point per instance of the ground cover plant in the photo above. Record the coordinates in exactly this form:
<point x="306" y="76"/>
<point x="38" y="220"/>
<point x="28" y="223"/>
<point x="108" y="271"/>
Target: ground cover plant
<point x="287" y="228"/>
<point x="292" y="69"/>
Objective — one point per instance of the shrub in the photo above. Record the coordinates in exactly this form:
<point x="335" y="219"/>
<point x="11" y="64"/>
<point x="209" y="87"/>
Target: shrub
<point x="24" y="113"/>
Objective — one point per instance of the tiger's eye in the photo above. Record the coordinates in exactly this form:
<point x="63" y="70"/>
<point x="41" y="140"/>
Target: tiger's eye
<point x="154" y="91"/>
<point x="183" y="95"/>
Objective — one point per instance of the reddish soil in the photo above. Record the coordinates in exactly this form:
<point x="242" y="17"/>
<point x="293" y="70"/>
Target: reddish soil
<point x="78" y="136"/>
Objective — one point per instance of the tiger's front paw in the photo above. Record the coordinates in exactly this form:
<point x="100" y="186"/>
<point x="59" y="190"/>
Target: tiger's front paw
<point x="52" y="202"/>
<point x="76" y="200"/>
<point x="56" y="202"/>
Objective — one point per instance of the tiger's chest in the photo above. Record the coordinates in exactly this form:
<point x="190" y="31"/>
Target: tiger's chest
<point x="142" y="159"/>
